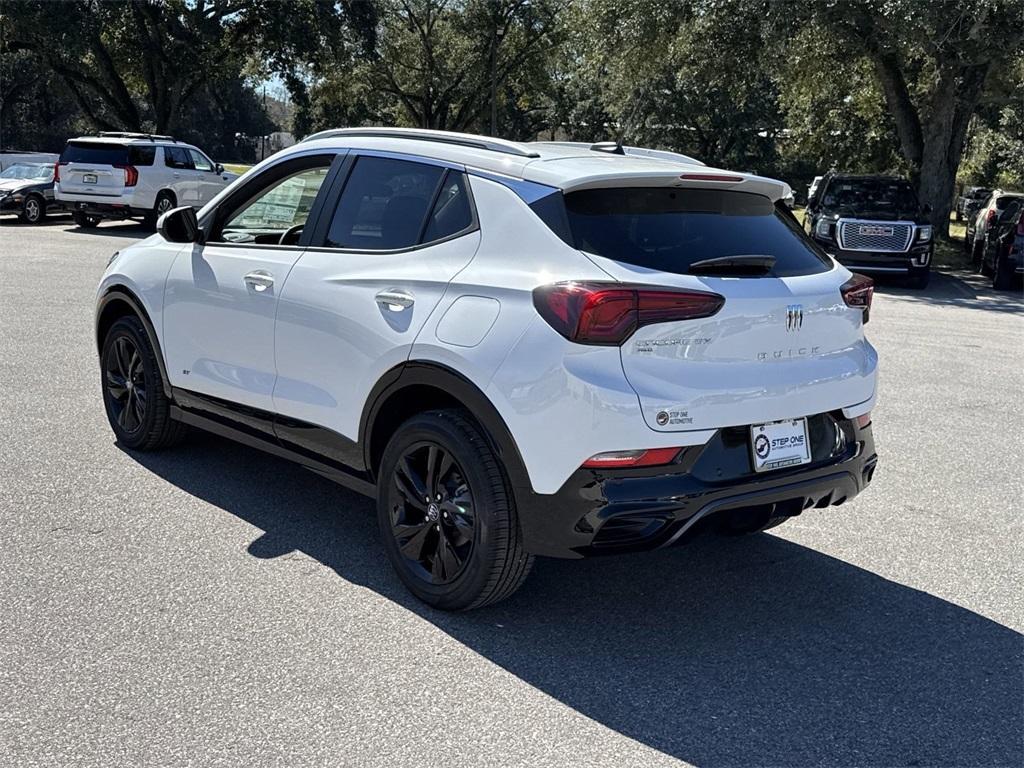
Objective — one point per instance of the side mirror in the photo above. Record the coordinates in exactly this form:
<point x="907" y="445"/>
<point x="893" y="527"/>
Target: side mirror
<point x="218" y="168"/>
<point x="179" y="225"/>
<point x="926" y="210"/>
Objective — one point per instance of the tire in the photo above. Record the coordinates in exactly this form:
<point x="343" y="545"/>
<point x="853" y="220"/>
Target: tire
<point x="33" y="209"/>
<point x="983" y="265"/>
<point x="128" y="366"/>
<point x="919" y="277"/>
<point x="165" y="201"/>
<point x="485" y="560"/>
<point x="977" y="255"/>
<point x="1002" y="279"/>
<point x="85" y="221"/>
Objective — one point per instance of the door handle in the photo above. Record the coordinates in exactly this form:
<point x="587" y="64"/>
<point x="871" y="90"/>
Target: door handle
<point x="176" y="175"/>
<point x="395" y="300"/>
<point x="259" y="280"/>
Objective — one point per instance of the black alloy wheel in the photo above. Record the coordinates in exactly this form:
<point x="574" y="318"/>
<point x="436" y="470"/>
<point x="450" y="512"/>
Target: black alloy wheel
<point x="446" y="514"/>
<point x="125" y="381"/>
<point x="433" y="518"/>
<point x="134" y="395"/>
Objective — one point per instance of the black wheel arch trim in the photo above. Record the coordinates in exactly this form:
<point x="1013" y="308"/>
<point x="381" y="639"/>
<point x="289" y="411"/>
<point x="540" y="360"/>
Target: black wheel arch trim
<point x="120" y="293"/>
<point x="439" y="376"/>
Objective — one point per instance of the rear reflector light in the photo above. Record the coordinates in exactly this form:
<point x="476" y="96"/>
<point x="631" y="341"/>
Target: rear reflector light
<point x="650" y="457"/>
<point x="709" y="177"/>
<point x="858" y="292"/>
<point x="56" y="172"/>
<point x="863" y="420"/>
<point x="608" y="313"/>
<point x="131" y="174"/>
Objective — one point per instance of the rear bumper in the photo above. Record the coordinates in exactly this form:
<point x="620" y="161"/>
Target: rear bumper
<point x="606" y="512"/>
<point x="104" y="210"/>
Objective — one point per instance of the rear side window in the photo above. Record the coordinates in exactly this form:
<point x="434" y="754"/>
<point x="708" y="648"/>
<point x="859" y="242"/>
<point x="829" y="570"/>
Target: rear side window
<point x="141" y="155"/>
<point x="670" y="229"/>
<point x="452" y="212"/>
<point x="177" y="157"/>
<point x="1006" y="201"/>
<point x="384" y="204"/>
<point x="94" y="153"/>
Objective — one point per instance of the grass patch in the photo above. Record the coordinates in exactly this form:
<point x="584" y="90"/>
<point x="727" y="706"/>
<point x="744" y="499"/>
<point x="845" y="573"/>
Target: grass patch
<point x="236" y="168"/>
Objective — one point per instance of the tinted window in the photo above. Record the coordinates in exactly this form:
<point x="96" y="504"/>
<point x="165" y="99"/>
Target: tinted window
<point x="94" y="153"/>
<point x="1006" y="200"/>
<point x="384" y="204"/>
<point x="669" y="229"/>
<point x="199" y="161"/>
<point x="452" y="212"/>
<point x="285" y="204"/>
<point x="177" y="157"/>
<point x="876" y="194"/>
<point x="141" y="155"/>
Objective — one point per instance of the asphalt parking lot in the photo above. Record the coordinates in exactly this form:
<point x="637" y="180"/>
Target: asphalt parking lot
<point x="215" y="606"/>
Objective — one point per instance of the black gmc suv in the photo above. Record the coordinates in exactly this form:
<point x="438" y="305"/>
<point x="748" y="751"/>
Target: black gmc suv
<point x="873" y="224"/>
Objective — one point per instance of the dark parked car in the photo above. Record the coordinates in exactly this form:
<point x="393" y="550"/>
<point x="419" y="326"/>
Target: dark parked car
<point x="970" y="201"/>
<point x="873" y="224"/>
<point x="1003" y="255"/>
<point x="987" y="216"/>
<point x="27" y="190"/>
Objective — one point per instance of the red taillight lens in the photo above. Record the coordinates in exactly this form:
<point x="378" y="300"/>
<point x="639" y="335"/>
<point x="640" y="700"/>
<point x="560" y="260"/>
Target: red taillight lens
<point x="990" y="216"/>
<point x="56" y="172"/>
<point x="608" y="313"/>
<point x="131" y="174"/>
<point x="650" y="457"/>
<point x="858" y="292"/>
<point x="710" y="177"/>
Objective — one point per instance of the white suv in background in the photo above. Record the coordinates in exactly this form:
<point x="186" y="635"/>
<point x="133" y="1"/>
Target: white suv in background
<point x="517" y="349"/>
<point x="134" y="175"/>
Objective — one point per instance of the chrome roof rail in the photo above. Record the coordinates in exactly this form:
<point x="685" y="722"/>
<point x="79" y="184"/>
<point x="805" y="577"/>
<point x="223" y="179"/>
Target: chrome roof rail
<point x="423" y="134"/>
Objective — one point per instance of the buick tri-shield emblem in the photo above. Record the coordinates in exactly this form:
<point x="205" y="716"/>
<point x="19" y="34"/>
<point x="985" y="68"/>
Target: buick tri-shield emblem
<point x="794" y="317"/>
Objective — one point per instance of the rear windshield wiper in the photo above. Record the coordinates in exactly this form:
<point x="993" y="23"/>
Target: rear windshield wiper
<point x="733" y="265"/>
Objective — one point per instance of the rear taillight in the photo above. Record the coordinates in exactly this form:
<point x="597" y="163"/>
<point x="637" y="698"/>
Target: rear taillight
<point x="131" y="174"/>
<point x="56" y="172"/>
<point x="650" y="457"/>
<point x="990" y="216"/>
<point x="858" y="292"/>
<point x="607" y="314"/>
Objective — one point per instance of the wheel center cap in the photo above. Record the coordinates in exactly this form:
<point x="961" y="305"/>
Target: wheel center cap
<point x="433" y="512"/>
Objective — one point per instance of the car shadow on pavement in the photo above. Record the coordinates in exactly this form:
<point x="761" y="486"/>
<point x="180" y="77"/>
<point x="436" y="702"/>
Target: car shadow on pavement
<point x="750" y="651"/>
<point x="958" y="288"/>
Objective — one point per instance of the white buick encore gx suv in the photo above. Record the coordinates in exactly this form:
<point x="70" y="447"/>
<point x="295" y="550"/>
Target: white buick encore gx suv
<point x="517" y="349"/>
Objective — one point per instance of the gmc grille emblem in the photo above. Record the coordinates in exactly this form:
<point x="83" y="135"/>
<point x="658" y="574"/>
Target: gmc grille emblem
<point x="882" y="231"/>
<point x="794" y="317"/>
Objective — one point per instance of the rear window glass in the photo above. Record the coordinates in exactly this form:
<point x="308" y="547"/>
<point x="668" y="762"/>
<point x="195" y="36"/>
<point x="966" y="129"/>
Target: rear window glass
<point x="94" y="153"/>
<point x="670" y="229"/>
<point x="1005" y="201"/>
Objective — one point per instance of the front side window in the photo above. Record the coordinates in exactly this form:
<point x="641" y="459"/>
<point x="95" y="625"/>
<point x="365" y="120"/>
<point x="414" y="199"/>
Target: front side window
<point x="384" y="204"/>
<point x="280" y="209"/>
<point x="199" y="161"/>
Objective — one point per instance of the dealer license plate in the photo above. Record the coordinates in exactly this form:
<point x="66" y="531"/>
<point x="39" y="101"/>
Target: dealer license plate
<point x="88" y="178"/>
<point x="779" y="444"/>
